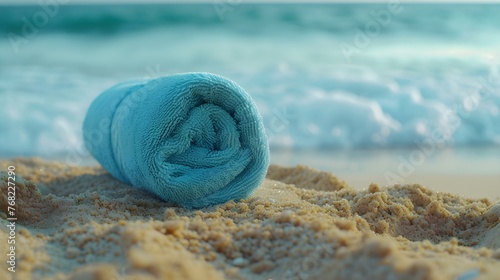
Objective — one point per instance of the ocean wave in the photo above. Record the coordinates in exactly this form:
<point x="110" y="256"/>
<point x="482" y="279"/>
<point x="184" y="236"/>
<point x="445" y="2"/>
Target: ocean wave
<point x="400" y="91"/>
<point x="335" y="19"/>
<point x="362" y="113"/>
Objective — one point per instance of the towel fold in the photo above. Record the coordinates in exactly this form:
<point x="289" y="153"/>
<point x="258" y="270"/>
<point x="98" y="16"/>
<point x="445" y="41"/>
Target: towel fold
<point x="194" y="139"/>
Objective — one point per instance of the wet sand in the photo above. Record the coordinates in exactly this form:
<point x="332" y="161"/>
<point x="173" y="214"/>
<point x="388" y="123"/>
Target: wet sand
<point x="80" y="223"/>
<point x="452" y="170"/>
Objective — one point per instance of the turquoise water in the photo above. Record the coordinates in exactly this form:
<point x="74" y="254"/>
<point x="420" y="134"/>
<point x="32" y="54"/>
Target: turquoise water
<point x="324" y="76"/>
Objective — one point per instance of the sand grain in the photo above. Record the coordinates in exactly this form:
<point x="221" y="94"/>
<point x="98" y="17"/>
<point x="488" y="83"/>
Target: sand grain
<point x="80" y="223"/>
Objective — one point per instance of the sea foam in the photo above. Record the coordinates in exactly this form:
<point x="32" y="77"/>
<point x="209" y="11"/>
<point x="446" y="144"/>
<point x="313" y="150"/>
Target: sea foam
<point x="439" y="84"/>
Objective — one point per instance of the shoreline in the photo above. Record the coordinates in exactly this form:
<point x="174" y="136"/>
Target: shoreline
<point x="453" y="170"/>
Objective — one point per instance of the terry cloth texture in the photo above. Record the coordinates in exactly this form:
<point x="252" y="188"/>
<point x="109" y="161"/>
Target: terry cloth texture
<point x="195" y="139"/>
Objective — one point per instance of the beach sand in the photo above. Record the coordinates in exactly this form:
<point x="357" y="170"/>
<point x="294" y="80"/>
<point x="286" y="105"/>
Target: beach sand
<point x="80" y="223"/>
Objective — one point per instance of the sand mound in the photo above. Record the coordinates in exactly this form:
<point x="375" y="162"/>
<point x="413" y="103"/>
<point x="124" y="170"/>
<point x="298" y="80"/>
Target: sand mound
<point x="80" y="223"/>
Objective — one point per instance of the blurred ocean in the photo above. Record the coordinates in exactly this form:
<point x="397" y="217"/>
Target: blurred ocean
<point x="324" y="75"/>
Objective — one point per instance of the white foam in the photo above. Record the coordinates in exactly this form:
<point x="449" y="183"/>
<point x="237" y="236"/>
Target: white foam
<point x="308" y="96"/>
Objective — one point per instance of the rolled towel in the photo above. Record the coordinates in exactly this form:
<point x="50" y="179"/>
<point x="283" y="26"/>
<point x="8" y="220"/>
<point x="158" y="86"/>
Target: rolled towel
<point x="195" y="139"/>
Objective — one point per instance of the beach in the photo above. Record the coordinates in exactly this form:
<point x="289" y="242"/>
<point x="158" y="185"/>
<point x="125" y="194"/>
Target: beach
<point x="380" y="121"/>
<point x="471" y="172"/>
<point x="78" y="222"/>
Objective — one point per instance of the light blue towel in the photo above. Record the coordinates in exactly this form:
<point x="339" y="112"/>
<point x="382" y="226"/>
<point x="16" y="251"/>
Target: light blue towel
<point x="194" y="139"/>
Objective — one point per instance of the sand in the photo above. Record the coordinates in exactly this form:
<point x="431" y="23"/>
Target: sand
<point x="80" y="223"/>
<point x="452" y="170"/>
